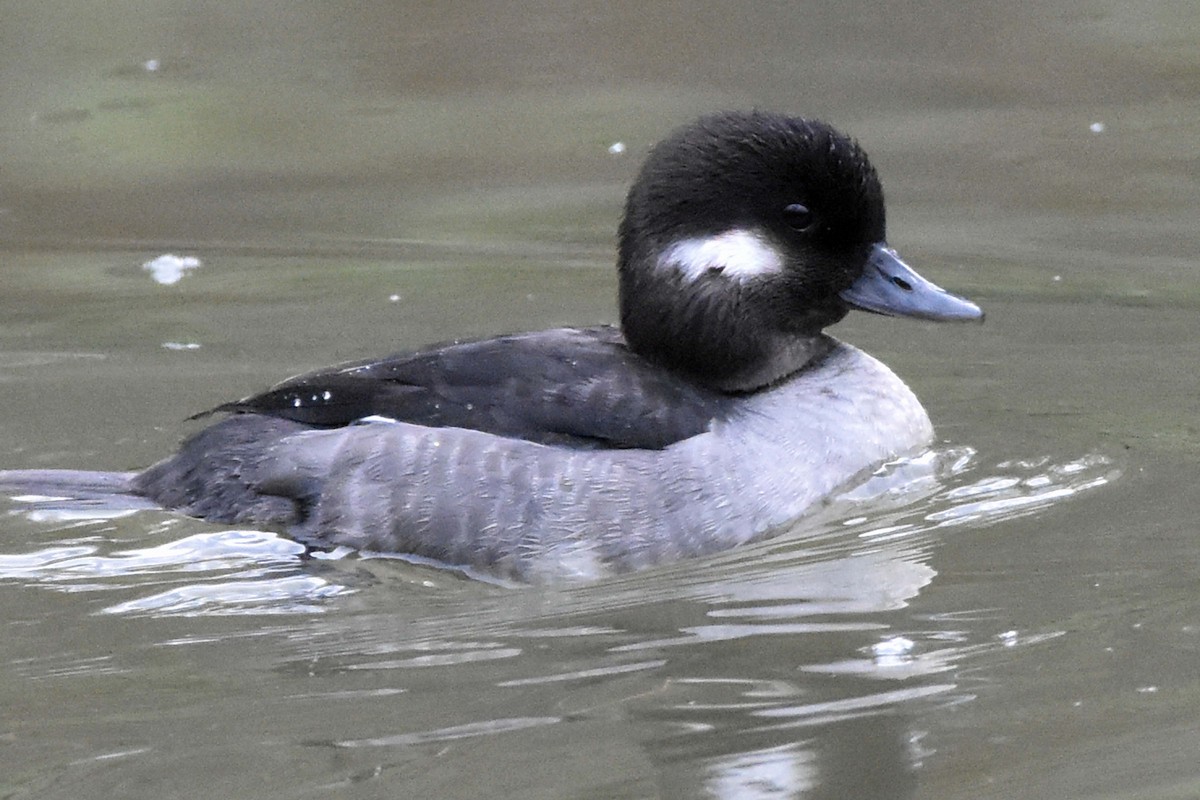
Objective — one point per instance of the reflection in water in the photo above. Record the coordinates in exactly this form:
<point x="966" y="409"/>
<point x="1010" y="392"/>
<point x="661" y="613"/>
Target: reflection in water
<point x="784" y="771"/>
<point x="837" y="751"/>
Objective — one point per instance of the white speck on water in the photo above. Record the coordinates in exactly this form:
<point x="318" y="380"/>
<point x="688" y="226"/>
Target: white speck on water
<point x="1097" y="127"/>
<point x="1008" y="638"/>
<point x="616" y="148"/>
<point x="151" y="65"/>
<point x="1147" y="689"/>
<point x="335" y="554"/>
<point x="181" y="345"/>
<point x="110" y="756"/>
<point x="170" y="268"/>
<point x="393" y="298"/>
<point x="896" y="646"/>
<point x="1058" y="278"/>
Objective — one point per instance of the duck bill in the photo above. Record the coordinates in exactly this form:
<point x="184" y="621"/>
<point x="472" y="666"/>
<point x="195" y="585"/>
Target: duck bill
<point x="889" y="286"/>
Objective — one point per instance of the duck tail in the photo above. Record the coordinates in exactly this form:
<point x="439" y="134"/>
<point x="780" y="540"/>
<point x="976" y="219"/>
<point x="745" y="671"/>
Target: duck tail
<point x="73" y="489"/>
<point x="74" y="483"/>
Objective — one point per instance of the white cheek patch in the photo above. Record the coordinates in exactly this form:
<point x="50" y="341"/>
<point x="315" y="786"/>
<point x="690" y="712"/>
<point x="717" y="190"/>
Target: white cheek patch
<point x="737" y="254"/>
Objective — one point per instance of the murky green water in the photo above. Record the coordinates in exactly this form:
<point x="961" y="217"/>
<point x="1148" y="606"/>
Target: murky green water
<point x="358" y="180"/>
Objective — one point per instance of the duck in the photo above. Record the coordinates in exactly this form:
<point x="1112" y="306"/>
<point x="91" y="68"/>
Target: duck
<point x="718" y="412"/>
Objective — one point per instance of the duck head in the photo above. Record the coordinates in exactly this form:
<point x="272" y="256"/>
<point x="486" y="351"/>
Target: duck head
<point x="745" y="235"/>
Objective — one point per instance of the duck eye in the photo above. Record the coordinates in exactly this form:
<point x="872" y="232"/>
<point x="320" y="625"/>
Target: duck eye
<point x="798" y="216"/>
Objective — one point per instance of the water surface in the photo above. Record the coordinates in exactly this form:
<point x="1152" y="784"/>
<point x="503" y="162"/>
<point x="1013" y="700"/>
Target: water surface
<point x="1016" y="615"/>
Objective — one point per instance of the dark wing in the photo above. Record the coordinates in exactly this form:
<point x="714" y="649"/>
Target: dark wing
<point x="575" y="387"/>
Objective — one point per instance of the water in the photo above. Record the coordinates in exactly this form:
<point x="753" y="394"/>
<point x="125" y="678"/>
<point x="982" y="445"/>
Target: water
<point x="1014" y="615"/>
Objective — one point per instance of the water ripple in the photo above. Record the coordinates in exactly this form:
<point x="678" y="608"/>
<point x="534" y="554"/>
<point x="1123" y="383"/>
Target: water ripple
<point x="229" y="572"/>
<point x="203" y="552"/>
<point x="294" y="594"/>
<point x="470" y="730"/>
<point x="1029" y="487"/>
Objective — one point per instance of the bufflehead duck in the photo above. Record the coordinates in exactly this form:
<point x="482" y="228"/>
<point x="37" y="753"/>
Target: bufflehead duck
<point x="717" y="412"/>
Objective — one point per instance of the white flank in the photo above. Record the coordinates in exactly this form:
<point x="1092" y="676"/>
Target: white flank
<point x="737" y="254"/>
